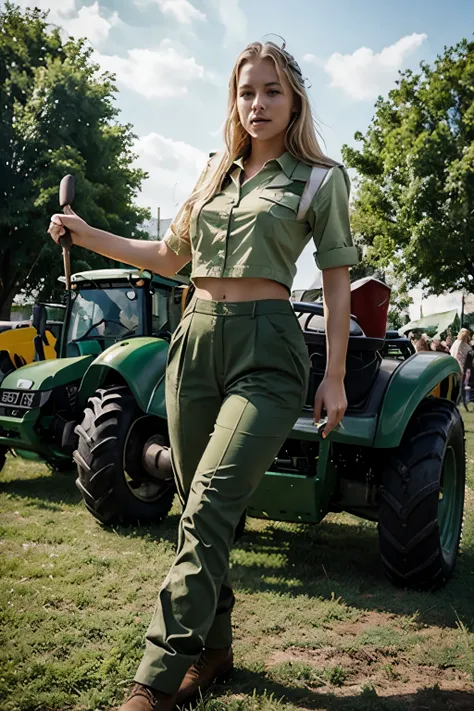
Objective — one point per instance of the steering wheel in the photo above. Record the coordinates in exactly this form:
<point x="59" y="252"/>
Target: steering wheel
<point x="128" y="333"/>
<point x="94" y="325"/>
<point x="164" y="333"/>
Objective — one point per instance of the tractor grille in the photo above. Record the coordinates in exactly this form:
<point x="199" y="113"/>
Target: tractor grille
<point x="14" y="403"/>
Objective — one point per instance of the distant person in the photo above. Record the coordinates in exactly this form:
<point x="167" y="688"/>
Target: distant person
<point x="421" y="343"/>
<point x="437" y="345"/>
<point x="461" y="348"/>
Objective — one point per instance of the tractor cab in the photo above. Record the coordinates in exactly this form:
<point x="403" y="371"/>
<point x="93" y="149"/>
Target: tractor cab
<point x="116" y="327"/>
<point x="108" y="306"/>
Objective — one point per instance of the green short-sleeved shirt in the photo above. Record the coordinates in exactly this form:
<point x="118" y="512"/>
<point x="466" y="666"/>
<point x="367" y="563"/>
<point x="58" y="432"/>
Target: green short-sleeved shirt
<point x="251" y="230"/>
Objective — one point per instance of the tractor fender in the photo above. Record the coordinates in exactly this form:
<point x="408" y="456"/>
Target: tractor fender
<point x="423" y="374"/>
<point x="48" y="374"/>
<point x="141" y="363"/>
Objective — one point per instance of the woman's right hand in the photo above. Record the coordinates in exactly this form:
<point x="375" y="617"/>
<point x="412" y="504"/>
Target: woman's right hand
<point x="75" y="224"/>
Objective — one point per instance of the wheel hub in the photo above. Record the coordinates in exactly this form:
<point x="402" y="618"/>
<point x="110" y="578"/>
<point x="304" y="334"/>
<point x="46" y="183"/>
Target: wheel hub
<point x="156" y="459"/>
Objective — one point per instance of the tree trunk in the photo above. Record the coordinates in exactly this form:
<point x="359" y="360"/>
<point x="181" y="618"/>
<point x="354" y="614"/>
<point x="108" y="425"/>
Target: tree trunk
<point x="9" y="281"/>
<point x="6" y="300"/>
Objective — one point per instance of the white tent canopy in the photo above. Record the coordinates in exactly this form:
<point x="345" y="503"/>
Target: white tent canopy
<point x="440" y="321"/>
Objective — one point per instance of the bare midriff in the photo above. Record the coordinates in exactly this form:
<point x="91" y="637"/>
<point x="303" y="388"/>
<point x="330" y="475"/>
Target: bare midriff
<point x="239" y="289"/>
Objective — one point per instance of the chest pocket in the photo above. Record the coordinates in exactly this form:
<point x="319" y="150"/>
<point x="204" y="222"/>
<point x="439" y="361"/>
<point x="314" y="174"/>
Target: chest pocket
<point x="281" y="203"/>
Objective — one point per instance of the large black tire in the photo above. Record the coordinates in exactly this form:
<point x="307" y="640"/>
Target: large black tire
<point x="422" y="498"/>
<point x="114" y="486"/>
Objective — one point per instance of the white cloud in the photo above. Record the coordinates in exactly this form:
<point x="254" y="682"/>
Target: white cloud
<point x="85" y="22"/>
<point x="158" y="73"/>
<point x="366" y="74"/>
<point x="234" y="20"/>
<point x="90" y="24"/>
<point x="180" y="10"/>
<point x="313" y="59"/>
<point x="174" y="167"/>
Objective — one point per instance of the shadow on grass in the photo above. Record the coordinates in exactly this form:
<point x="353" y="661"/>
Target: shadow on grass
<point x="331" y="559"/>
<point x="433" y="699"/>
<point x="53" y="492"/>
<point x="45" y="491"/>
<point x="342" y="560"/>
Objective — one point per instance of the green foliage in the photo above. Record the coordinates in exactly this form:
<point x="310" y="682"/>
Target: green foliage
<point x="400" y="300"/>
<point x="57" y="117"/>
<point x="415" y="203"/>
<point x="468" y="320"/>
<point x="456" y="326"/>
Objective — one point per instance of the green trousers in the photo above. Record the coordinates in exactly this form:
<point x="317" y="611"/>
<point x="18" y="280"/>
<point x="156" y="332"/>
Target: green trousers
<point x="236" y="383"/>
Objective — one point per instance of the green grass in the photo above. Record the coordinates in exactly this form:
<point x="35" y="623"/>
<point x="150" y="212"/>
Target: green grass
<point x="317" y="625"/>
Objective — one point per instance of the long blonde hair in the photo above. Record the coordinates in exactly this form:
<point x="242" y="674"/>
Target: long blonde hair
<point x="300" y="140"/>
<point x="464" y="335"/>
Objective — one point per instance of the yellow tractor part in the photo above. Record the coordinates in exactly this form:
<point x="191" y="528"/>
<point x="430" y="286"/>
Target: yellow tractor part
<point x="19" y="344"/>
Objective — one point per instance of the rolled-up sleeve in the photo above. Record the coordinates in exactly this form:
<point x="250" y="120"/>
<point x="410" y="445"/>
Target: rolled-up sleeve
<point x="178" y="245"/>
<point x="329" y="220"/>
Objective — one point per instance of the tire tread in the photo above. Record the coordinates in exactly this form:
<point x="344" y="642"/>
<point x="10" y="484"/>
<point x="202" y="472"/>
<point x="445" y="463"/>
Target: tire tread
<point x="409" y="534"/>
<point x="107" y="418"/>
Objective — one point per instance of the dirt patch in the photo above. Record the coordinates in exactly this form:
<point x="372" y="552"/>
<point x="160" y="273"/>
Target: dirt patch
<point x="389" y="671"/>
<point x="372" y="618"/>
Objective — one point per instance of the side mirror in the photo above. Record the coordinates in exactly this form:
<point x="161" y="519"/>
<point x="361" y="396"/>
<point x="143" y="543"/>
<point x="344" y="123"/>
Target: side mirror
<point x="39" y="323"/>
<point x="39" y="318"/>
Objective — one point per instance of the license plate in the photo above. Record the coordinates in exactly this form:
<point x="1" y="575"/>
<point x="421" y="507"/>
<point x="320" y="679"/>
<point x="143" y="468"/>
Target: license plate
<point x="17" y="398"/>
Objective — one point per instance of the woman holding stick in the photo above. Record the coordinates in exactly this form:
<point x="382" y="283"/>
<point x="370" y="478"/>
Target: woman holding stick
<point x="238" y="367"/>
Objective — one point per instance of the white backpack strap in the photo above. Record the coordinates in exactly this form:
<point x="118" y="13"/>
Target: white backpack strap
<point x="312" y="186"/>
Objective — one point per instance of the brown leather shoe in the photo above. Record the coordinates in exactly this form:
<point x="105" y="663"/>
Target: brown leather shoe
<point x="144" y="698"/>
<point x="212" y="665"/>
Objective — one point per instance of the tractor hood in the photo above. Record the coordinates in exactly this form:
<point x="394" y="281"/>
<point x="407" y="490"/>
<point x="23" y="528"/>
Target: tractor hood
<point x="47" y="374"/>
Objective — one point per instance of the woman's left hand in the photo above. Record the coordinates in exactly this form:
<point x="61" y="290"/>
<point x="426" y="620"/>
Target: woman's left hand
<point x="331" y="396"/>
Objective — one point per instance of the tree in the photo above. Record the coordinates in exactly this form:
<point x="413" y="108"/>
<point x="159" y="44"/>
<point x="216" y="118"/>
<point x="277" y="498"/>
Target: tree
<point x="56" y="117"/>
<point x="364" y="268"/>
<point x="400" y="300"/>
<point x="415" y="203"/>
<point x="456" y="326"/>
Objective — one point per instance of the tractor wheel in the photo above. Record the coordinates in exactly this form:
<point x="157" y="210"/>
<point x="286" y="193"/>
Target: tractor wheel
<point x="115" y="487"/>
<point x="422" y="498"/>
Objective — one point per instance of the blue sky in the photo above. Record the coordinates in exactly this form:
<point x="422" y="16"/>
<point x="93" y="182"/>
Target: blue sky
<point x="173" y="59"/>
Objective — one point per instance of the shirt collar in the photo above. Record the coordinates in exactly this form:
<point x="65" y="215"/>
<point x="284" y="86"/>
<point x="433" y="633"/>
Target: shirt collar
<point x="286" y="161"/>
<point x="239" y="162"/>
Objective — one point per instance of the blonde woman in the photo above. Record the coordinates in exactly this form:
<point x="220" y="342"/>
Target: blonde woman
<point x="238" y="366"/>
<point x="461" y="347"/>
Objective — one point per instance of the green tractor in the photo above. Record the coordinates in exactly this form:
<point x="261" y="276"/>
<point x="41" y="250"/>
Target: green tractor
<point x="398" y="458"/>
<point x="102" y="400"/>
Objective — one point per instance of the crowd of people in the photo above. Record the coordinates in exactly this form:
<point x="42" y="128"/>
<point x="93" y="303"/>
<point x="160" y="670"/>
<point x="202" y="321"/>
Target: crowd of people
<point x="462" y="348"/>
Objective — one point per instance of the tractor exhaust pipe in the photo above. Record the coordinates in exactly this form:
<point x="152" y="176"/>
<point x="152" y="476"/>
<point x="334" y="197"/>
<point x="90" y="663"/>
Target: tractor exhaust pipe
<point x="156" y="458"/>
